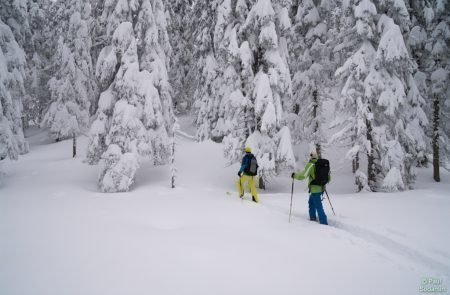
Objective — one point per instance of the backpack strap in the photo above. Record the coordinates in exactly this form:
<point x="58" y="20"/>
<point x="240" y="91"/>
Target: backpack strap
<point x="312" y="177"/>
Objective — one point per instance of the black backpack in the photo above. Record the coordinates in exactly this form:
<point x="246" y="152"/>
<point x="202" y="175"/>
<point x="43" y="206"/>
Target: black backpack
<point x="322" y="172"/>
<point x="252" y="167"/>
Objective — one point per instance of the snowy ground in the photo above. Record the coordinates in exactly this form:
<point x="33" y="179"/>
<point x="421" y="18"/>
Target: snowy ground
<point x="59" y="235"/>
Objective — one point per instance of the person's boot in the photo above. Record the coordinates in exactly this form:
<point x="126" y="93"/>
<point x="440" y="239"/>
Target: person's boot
<point x="313" y="219"/>
<point x="254" y="200"/>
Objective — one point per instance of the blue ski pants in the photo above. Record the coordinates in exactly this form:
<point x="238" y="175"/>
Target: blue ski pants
<point x="315" y="204"/>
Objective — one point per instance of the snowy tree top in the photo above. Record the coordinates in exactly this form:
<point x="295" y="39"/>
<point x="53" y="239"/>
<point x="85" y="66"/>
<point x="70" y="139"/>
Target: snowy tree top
<point x="391" y="48"/>
<point x="365" y="8"/>
<point x="261" y="14"/>
<point x="307" y="13"/>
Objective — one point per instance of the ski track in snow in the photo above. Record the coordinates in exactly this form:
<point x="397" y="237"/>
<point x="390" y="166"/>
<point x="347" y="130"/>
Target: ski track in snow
<point x="395" y="248"/>
<point x="392" y="248"/>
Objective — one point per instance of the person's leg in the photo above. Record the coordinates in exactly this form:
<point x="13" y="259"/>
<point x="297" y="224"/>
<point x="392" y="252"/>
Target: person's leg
<point x="319" y="207"/>
<point x="240" y="187"/>
<point x="251" y="183"/>
<point x="312" y="209"/>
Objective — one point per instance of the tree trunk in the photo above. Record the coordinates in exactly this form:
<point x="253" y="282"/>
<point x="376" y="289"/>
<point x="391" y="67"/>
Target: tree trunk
<point x="294" y="8"/>
<point x="319" y="150"/>
<point x="24" y="123"/>
<point x="356" y="159"/>
<point x="356" y="168"/>
<point x="355" y="163"/>
<point x="262" y="185"/>
<point x="371" y="177"/>
<point x="74" y="147"/>
<point x="435" y="140"/>
<point x="173" y="161"/>
<point x="316" y="120"/>
<point x="258" y="60"/>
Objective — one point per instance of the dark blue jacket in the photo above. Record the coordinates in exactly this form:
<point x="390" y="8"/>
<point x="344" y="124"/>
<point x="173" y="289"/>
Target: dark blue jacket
<point x="246" y="161"/>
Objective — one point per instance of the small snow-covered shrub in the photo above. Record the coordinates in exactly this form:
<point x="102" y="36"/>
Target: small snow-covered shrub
<point x="118" y="170"/>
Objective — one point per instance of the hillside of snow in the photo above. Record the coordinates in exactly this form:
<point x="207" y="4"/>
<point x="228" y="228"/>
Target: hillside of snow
<point x="60" y="235"/>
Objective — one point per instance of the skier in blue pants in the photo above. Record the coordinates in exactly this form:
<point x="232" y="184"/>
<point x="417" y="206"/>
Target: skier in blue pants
<point x="316" y="191"/>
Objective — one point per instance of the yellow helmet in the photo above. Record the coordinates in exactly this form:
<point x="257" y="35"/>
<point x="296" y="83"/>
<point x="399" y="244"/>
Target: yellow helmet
<point x="248" y="150"/>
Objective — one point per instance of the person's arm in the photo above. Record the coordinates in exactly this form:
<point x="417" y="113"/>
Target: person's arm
<point x="305" y="173"/>
<point x="243" y="165"/>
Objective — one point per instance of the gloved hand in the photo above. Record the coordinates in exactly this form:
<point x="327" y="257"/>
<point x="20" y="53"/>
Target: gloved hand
<point x="239" y="173"/>
<point x="293" y="174"/>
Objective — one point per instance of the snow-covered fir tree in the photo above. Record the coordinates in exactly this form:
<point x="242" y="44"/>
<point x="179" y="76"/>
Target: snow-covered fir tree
<point x="72" y="87"/>
<point x="39" y="50"/>
<point x="80" y="42"/>
<point x="355" y="118"/>
<point x="28" y="22"/>
<point x="251" y="50"/>
<point x="428" y="42"/>
<point x="68" y="113"/>
<point x="308" y="63"/>
<point x="149" y="19"/>
<point x="135" y="116"/>
<point x="230" y="98"/>
<point x="205" y="67"/>
<point x="158" y="53"/>
<point x="381" y="108"/>
<point x="12" y="90"/>
<point x="206" y="105"/>
<point x="15" y="15"/>
<point x="182" y="75"/>
<point x="399" y="119"/>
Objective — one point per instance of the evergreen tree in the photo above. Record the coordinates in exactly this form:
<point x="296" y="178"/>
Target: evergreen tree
<point x="381" y="108"/>
<point x="15" y="15"/>
<point x="440" y="91"/>
<point x="428" y="43"/>
<point x="134" y="117"/>
<point x="355" y="118"/>
<point x="230" y="101"/>
<point x="309" y="66"/>
<point x="399" y="119"/>
<point x="206" y="68"/>
<point x="72" y="87"/>
<point x="250" y="42"/>
<point x="39" y="50"/>
<point x="182" y="75"/>
<point x="28" y="22"/>
<point x="12" y="76"/>
<point x="68" y="112"/>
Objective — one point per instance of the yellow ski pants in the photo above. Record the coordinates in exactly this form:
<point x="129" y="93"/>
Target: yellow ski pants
<point x="250" y="181"/>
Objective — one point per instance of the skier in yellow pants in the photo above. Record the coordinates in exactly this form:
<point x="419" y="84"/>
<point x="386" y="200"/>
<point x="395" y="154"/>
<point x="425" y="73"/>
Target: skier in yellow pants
<point x="247" y="174"/>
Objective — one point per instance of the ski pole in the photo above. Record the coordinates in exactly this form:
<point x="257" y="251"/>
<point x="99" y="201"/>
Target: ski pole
<point x="330" y="202"/>
<point x="292" y="193"/>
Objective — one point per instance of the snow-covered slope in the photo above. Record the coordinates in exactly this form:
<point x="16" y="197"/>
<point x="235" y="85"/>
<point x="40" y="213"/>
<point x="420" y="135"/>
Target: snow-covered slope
<point x="59" y="235"/>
